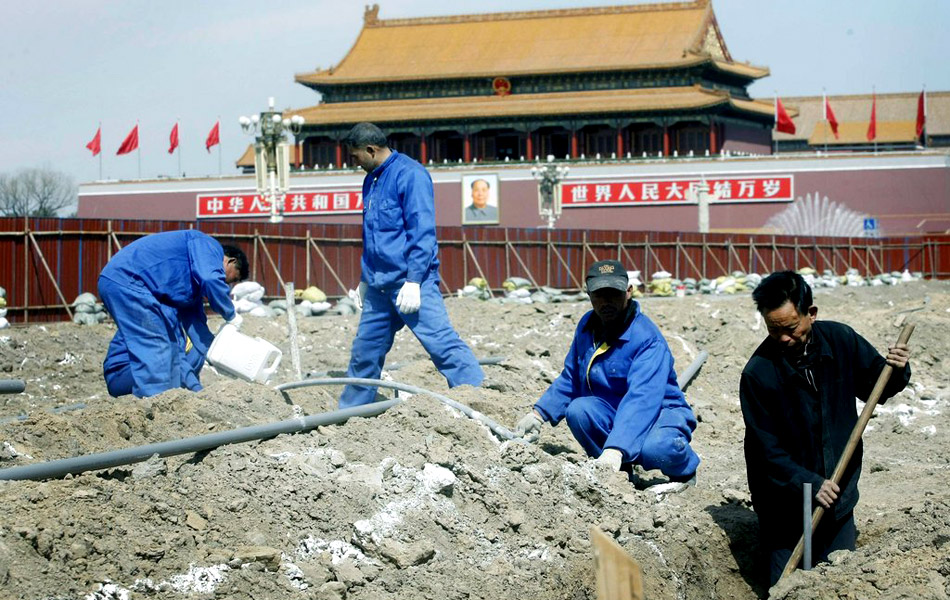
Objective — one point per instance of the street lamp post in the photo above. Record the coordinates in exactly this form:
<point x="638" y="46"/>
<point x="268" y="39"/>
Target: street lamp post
<point x="272" y="154"/>
<point x="549" y="194"/>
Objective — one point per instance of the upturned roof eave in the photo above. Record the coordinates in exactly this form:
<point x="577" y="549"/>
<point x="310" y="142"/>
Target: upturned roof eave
<point x="327" y="79"/>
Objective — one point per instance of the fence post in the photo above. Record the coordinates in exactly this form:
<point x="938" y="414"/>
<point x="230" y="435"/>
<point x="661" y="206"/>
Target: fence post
<point x="507" y="256"/>
<point x="307" y="253"/>
<point x="584" y="252"/>
<point x="26" y="270"/>
<point x="548" y="261"/>
<point x="676" y="262"/>
<point x="646" y="256"/>
<point x="464" y="259"/>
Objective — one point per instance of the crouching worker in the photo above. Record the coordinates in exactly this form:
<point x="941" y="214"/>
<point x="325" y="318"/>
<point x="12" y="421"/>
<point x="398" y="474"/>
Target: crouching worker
<point x="618" y="390"/>
<point x="154" y="290"/>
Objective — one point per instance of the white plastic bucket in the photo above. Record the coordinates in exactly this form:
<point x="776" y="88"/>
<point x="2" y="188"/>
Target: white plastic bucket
<point x="242" y="356"/>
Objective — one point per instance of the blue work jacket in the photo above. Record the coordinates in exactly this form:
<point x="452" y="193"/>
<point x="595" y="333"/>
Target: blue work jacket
<point x="179" y="268"/>
<point x="635" y="375"/>
<point x="399" y="242"/>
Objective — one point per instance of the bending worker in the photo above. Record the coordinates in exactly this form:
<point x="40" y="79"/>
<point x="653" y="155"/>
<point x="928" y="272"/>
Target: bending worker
<point x="618" y="390"/>
<point x="797" y="394"/>
<point x="154" y="289"/>
<point x="399" y="283"/>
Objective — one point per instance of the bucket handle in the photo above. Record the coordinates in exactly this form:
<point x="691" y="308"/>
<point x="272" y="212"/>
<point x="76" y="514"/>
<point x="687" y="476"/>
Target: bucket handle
<point x="266" y="373"/>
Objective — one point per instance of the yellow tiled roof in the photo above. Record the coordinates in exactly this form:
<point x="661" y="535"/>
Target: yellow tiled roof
<point x="856" y="132"/>
<point x="609" y="38"/>
<point x="856" y="109"/>
<point x="524" y="105"/>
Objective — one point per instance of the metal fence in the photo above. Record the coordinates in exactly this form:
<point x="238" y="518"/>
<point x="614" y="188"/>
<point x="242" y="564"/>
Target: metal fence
<point x="46" y="263"/>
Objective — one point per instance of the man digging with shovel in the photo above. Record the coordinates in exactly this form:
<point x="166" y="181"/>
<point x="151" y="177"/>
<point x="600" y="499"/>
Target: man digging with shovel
<point x="797" y="394"/>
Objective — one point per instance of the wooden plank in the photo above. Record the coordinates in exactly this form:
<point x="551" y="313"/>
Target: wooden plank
<point x="619" y="577"/>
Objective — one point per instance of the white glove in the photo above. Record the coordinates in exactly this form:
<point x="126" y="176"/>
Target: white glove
<point x="529" y="427"/>
<point x="409" y="299"/>
<point x="236" y="321"/>
<point x="611" y="458"/>
<point x="357" y="295"/>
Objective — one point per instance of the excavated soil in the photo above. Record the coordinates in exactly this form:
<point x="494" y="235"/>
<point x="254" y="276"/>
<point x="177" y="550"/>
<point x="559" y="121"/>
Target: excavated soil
<point x="423" y="503"/>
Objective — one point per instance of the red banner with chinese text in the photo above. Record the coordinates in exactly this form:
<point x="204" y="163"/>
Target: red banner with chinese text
<point x="636" y="192"/>
<point x="299" y="203"/>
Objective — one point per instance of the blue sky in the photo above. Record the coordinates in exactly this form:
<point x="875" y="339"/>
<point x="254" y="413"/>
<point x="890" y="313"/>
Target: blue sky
<point x="67" y="65"/>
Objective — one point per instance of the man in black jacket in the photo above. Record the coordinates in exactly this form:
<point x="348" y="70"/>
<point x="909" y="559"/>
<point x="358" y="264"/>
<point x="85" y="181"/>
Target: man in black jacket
<point x="798" y="401"/>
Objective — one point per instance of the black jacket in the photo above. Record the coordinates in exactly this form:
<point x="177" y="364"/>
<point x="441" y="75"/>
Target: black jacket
<point x="795" y="435"/>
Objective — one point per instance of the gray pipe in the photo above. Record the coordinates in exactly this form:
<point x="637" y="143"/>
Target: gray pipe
<point x="499" y="430"/>
<point x="12" y="386"/>
<point x="115" y="458"/>
<point x="687" y="376"/>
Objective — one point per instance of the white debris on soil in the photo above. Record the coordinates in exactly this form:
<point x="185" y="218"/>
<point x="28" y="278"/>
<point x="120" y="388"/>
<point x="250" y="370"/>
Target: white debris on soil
<point x="422" y="503"/>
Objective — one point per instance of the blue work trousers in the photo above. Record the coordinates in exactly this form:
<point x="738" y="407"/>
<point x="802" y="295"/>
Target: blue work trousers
<point x="378" y="326"/>
<point x="666" y="446"/>
<point x="118" y="370"/>
<point x="150" y="338"/>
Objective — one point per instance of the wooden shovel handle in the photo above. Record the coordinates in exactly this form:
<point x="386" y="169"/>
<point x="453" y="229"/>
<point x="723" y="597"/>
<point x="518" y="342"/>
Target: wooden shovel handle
<point x="856" y="434"/>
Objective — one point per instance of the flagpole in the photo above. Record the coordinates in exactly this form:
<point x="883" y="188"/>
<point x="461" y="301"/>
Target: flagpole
<point x="923" y="134"/>
<point x="824" y="112"/>
<point x="219" y="145"/>
<point x="178" y="122"/>
<point x="874" y="100"/>
<point x="775" y="125"/>
<point x="138" y="149"/>
<point x="100" y="150"/>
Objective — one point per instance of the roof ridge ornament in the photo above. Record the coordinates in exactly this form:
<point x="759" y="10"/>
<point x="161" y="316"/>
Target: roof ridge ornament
<point x="371" y="15"/>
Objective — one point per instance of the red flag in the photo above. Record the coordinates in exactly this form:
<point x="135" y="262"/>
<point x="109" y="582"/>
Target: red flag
<point x="96" y="144"/>
<point x="921" y="113"/>
<point x="783" y="122"/>
<point x="131" y="142"/>
<point x="830" y="117"/>
<point x="214" y="136"/>
<point x="173" y="139"/>
<point x="872" y="125"/>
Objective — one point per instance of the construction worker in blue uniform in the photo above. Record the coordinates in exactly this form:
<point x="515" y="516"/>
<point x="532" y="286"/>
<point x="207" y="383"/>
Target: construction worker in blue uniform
<point x="399" y="282"/>
<point x="618" y="390"/>
<point x="154" y="290"/>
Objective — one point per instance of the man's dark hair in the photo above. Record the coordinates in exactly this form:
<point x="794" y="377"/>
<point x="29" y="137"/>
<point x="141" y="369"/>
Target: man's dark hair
<point x="488" y="185"/>
<point x="240" y="259"/>
<point x="365" y="134"/>
<point x="781" y="287"/>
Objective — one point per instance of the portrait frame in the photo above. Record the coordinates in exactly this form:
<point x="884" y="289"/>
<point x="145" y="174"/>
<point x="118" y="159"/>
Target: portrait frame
<point x="492" y="203"/>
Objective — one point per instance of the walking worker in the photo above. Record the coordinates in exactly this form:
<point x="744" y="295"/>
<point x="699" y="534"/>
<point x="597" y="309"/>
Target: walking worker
<point x="154" y="290"/>
<point x="399" y="283"/>
<point x="618" y="390"/>
<point x="797" y="394"/>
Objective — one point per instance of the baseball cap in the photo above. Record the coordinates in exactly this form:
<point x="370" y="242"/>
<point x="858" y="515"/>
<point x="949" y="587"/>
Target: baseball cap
<point x="607" y="274"/>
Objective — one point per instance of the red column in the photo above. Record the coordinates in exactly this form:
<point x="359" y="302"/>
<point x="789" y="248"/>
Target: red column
<point x="619" y="143"/>
<point x="573" y="143"/>
<point x="467" y="149"/>
<point x="666" y="141"/>
<point x="339" y="154"/>
<point x="712" y="139"/>
<point x="530" y="151"/>
<point x="423" y="150"/>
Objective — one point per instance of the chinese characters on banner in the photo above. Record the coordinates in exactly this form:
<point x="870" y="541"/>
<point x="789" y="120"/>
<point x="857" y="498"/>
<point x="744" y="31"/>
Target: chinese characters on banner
<point x="299" y="203"/>
<point x="675" y="191"/>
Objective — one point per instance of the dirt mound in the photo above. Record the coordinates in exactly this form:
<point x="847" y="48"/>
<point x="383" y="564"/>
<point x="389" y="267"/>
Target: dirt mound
<point x="421" y="502"/>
